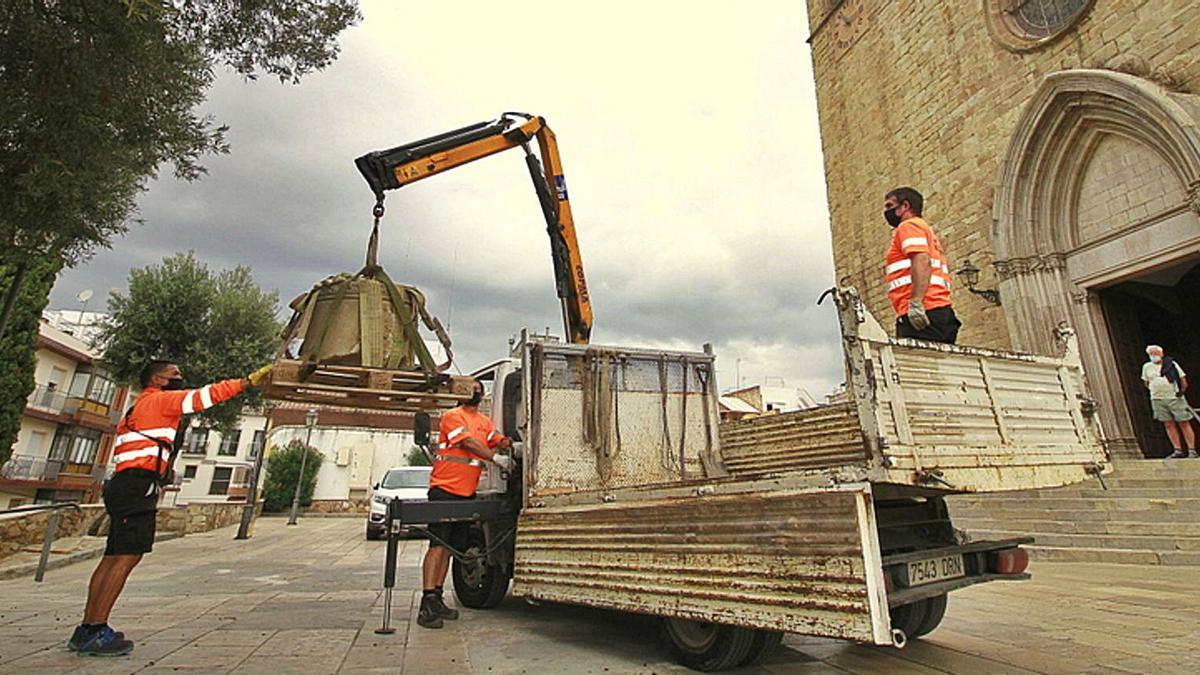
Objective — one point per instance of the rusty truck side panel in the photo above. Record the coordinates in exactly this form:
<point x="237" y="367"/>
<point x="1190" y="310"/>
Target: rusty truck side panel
<point x="803" y="560"/>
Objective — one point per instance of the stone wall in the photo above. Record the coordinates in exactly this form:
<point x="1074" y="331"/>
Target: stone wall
<point x="29" y="529"/>
<point x="921" y="93"/>
<point x="338" y="506"/>
<point x="205" y="516"/>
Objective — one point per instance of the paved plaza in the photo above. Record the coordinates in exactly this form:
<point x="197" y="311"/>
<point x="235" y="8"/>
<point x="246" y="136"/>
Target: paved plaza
<point x="306" y="599"/>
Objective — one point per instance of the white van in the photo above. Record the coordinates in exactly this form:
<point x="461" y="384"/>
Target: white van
<point x="405" y="482"/>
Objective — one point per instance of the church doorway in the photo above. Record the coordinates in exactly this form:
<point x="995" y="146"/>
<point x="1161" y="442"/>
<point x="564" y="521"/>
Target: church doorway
<point x="1161" y="307"/>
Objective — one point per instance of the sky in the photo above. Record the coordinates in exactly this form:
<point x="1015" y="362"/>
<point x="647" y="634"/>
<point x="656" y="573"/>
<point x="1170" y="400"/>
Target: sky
<point x="689" y="138"/>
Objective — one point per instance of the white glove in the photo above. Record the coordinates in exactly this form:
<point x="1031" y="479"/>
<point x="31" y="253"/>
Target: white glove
<point x="916" y="315"/>
<point x="504" y="462"/>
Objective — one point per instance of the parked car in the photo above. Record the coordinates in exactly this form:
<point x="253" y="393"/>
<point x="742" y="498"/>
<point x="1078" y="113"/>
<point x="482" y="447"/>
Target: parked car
<point x="405" y="482"/>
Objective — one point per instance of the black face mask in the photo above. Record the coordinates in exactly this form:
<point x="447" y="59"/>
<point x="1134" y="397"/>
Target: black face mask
<point x="476" y="398"/>
<point x="173" y="384"/>
<point x="891" y="216"/>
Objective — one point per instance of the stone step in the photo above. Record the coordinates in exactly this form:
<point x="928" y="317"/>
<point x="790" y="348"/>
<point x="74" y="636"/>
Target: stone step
<point x="1107" y="541"/>
<point x="1123" y="492"/>
<point x="1111" y="555"/>
<point x="1086" y="503"/>
<point x="1141" y="482"/>
<point x="1032" y="526"/>
<point x="1071" y="515"/>
<point x="1090" y="492"/>
<point x="1157" y="469"/>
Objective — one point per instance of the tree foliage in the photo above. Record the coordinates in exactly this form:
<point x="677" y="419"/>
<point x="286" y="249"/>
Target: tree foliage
<point x="417" y="457"/>
<point x="215" y="325"/>
<point x="17" y="349"/>
<point x="283" y="468"/>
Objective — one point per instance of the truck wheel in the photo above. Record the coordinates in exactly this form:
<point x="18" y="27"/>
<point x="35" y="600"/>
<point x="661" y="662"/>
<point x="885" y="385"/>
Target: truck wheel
<point x="765" y="642"/>
<point x="935" y="610"/>
<point x="476" y="584"/>
<point x="707" y="647"/>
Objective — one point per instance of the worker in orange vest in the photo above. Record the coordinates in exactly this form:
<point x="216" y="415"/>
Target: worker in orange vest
<point x="142" y="454"/>
<point x="466" y="438"/>
<point x="916" y="271"/>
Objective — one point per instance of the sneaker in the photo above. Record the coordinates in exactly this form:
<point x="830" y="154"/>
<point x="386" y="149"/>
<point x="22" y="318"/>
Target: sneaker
<point x="82" y="634"/>
<point x="1178" y="454"/>
<point x="427" y="616"/>
<point x="105" y="642"/>
<point x="1192" y="454"/>
<point x="440" y="608"/>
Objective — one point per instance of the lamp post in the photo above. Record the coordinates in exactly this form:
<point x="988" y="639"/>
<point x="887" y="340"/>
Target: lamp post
<point x="310" y="421"/>
<point x="252" y="497"/>
<point x="970" y="276"/>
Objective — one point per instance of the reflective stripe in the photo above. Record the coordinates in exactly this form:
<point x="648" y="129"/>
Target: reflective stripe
<point x="914" y="241"/>
<point x="165" y="433"/>
<point x="206" y="401"/>
<point x="451" y="436"/>
<point x="129" y="455"/>
<point x="898" y="282"/>
<point x="188" y="407"/>
<point x="937" y="264"/>
<point x="898" y="265"/>
<point x="939" y="281"/>
<point x="458" y="460"/>
<point x="491" y="434"/>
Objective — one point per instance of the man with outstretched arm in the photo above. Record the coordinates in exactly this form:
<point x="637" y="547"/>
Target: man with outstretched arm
<point x="142" y="453"/>
<point x="466" y="438"/>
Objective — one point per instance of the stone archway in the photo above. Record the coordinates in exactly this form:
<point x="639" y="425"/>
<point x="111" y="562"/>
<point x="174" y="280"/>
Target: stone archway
<point x="1100" y="182"/>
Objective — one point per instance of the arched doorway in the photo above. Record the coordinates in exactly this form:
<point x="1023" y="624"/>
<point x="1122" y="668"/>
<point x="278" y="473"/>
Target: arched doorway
<point x="1097" y="222"/>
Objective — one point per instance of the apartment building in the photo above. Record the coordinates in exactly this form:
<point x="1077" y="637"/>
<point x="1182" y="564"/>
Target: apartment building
<point x="216" y="467"/>
<point x="65" y="441"/>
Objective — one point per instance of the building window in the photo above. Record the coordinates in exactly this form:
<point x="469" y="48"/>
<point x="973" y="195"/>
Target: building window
<point x="197" y="441"/>
<point x="189" y="471"/>
<point x="220" y="480"/>
<point x="75" y="445"/>
<point x="256" y="445"/>
<point x="1026" y="24"/>
<point x="229" y="442"/>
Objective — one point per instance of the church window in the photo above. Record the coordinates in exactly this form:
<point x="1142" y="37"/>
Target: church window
<point x="1027" y="24"/>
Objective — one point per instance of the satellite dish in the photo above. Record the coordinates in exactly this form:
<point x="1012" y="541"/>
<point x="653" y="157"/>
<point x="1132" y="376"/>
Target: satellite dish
<point x="84" y="295"/>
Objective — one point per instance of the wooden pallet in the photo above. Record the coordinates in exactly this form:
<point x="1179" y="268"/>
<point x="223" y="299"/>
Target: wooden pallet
<point x="371" y="388"/>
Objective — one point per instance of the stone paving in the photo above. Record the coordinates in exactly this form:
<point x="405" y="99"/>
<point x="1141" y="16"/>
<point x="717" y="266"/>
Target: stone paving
<point x="306" y="599"/>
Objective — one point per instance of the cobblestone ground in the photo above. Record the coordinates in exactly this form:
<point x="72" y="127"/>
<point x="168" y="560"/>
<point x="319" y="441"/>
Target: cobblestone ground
<point x="305" y="599"/>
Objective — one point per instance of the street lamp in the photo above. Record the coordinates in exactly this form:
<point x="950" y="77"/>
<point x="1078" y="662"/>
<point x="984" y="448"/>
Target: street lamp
<point x="310" y="421"/>
<point x="970" y="276"/>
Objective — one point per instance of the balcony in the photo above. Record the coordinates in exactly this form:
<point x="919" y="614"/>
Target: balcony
<point x="73" y="409"/>
<point x="28" y="467"/>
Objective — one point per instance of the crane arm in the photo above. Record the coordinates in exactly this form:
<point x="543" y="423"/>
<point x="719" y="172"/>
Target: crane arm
<point x="409" y="163"/>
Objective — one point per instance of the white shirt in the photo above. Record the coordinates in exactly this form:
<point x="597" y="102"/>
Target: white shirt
<point x="1160" y="387"/>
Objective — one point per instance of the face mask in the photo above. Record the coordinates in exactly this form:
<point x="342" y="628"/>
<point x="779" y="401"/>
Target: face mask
<point x="173" y="384"/>
<point x="891" y="217"/>
<point x="1155" y="359"/>
<point x="475" y="399"/>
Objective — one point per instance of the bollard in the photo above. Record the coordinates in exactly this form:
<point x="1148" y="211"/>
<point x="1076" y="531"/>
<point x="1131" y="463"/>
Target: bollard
<point x="51" y="527"/>
<point x="389" y="569"/>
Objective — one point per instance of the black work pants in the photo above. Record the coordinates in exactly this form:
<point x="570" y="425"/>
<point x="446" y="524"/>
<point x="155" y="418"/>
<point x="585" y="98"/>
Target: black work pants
<point x="943" y="326"/>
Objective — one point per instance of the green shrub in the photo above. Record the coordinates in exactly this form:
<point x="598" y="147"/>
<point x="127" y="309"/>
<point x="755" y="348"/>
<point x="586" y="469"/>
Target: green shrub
<point x="416" y="457"/>
<point x="283" y="468"/>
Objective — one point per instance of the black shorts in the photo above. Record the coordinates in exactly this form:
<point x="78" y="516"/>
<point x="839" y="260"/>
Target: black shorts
<point x="943" y="326"/>
<point x="131" y="500"/>
<point x="455" y="534"/>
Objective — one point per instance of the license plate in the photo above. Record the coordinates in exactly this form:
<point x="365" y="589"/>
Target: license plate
<point x="930" y="570"/>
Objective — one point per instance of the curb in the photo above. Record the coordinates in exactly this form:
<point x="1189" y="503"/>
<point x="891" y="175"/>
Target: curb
<point x="29" y="569"/>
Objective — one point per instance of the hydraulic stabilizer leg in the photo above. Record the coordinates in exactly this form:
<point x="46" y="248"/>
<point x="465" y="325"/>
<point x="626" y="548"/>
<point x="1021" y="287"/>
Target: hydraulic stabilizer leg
<point x="389" y="566"/>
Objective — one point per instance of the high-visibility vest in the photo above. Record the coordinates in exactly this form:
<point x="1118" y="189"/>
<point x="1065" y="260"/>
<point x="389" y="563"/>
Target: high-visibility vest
<point x="155" y="416"/>
<point x="456" y="469"/>
<point x="909" y="238"/>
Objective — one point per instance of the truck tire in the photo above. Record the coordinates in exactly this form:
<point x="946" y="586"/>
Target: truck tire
<point x="765" y="642"/>
<point x="935" y="611"/>
<point x="476" y="584"/>
<point x="708" y="647"/>
<point x="920" y="617"/>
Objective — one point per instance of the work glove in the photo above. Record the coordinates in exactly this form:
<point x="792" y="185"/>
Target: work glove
<point x="504" y="462"/>
<point x="256" y="378"/>
<point x="917" y="316"/>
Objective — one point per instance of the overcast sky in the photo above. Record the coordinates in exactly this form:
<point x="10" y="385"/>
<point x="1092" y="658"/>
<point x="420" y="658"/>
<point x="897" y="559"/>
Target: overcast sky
<point x="689" y="137"/>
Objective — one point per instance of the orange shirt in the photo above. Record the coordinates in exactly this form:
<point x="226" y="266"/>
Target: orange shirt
<point x="156" y="414"/>
<point x="909" y="238"/>
<point x="456" y="426"/>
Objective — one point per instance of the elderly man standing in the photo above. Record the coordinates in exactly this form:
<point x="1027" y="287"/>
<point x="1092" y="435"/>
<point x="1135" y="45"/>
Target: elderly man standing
<point x="1167" y="382"/>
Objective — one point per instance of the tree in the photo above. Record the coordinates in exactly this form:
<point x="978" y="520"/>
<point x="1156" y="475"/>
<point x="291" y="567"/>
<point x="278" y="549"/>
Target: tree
<point x="16" y="349"/>
<point x="95" y="96"/>
<point x="283" y="468"/>
<point x="417" y="457"/>
<point x="216" y="326"/>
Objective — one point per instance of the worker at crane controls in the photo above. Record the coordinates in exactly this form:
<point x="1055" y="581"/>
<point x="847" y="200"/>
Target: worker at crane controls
<point x="466" y="438"/>
<point x="916" y="271"/>
<point x="143" y="451"/>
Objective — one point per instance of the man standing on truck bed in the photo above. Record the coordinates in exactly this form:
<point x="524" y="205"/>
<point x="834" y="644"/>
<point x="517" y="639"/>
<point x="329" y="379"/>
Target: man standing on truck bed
<point x="918" y="277"/>
<point x="465" y="438"/>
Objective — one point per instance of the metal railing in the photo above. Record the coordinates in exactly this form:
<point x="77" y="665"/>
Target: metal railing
<point x="28" y="467"/>
<point x="51" y="528"/>
<point x="50" y="399"/>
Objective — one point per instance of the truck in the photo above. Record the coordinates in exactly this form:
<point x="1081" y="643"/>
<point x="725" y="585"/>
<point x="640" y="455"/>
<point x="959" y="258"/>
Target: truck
<point x="630" y="495"/>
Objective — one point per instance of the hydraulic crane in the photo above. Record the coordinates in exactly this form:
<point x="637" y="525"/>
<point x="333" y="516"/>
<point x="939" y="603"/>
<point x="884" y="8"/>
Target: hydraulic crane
<point x="409" y="163"/>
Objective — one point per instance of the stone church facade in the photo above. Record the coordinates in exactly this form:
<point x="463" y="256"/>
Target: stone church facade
<point x="1057" y="143"/>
